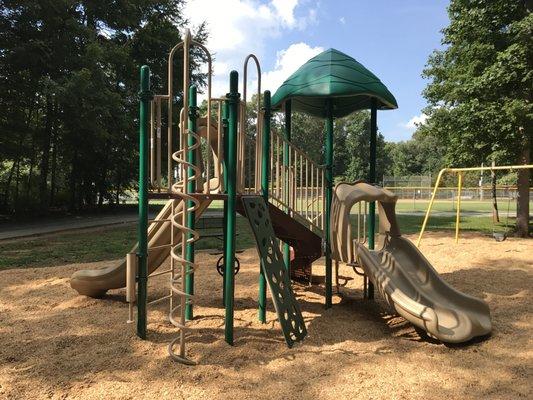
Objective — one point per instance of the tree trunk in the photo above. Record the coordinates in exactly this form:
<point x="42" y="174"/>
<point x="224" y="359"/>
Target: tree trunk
<point x="53" y="177"/>
<point x="30" y="177"/>
<point x="17" y="181"/>
<point x="45" y="158"/>
<point x="5" y="200"/>
<point x="54" y="144"/>
<point x="522" y="200"/>
<point x="73" y="180"/>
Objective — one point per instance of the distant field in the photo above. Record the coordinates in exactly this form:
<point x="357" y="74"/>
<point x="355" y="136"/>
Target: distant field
<point x="409" y="205"/>
<point x="110" y="243"/>
<point x="405" y="205"/>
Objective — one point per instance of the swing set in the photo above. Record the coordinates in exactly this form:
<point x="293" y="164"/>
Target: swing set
<point x="498" y="236"/>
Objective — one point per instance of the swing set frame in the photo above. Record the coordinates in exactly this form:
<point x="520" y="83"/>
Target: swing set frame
<point x="459" y="172"/>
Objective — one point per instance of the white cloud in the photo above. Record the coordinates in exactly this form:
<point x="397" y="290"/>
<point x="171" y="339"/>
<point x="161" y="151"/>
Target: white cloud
<point x="415" y="122"/>
<point x="240" y="27"/>
<point x="288" y="61"/>
<point x="285" y="9"/>
<point x="342" y="20"/>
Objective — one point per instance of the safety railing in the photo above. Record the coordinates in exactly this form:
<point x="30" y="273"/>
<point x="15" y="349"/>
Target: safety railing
<point x="248" y="145"/>
<point x="296" y="183"/>
<point x="210" y="137"/>
<point x="249" y="153"/>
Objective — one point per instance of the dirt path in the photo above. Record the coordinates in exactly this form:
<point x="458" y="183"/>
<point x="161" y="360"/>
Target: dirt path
<point x="56" y="344"/>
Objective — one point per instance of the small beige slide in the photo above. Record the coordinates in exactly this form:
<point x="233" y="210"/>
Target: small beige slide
<point x="402" y="274"/>
<point x="95" y="283"/>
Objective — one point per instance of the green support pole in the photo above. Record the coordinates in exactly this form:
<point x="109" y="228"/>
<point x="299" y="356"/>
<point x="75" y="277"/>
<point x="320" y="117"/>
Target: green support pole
<point x="225" y="113"/>
<point x="191" y="188"/>
<point x="329" y="195"/>
<point x="231" y="172"/>
<point x="372" y="180"/>
<point x="142" y="235"/>
<point x="265" y="167"/>
<point x="286" y="161"/>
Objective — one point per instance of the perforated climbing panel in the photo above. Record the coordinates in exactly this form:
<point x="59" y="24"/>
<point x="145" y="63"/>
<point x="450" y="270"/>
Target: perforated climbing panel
<point x="287" y="307"/>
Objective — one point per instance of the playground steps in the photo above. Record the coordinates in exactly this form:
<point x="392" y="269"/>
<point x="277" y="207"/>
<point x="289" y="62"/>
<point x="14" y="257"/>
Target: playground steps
<point x="306" y="245"/>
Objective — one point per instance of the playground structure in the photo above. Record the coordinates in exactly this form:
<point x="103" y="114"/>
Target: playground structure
<point x="284" y="194"/>
<point x="460" y="172"/>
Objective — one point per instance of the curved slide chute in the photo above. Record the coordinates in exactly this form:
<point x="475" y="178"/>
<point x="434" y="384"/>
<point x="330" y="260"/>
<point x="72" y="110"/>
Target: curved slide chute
<point x="405" y="278"/>
<point x="95" y="283"/>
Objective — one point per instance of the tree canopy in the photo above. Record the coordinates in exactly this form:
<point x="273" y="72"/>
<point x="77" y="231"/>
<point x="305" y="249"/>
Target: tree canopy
<point x="481" y="83"/>
<point x="481" y="88"/>
<point x="68" y="89"/>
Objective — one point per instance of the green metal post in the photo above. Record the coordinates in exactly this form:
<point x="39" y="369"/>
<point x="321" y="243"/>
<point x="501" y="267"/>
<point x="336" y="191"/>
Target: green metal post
<point x="225" y="113"/>
<point x="142" y="250"/>
<point x="329" y="196"/>
<point x="372" y="180"/>
<point x="265" y="167"/>
<point x="231" y="172"/>
<point x="286" y="165"/>
<point x="191" y="188"/>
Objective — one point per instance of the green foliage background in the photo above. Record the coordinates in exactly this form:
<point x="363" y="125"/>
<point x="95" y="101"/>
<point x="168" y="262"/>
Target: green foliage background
<point x="69" y="82"/>
<point x="68" y="96"/>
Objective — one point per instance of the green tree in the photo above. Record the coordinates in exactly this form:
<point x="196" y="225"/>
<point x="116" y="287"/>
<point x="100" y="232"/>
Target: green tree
<point x="481" y="88"/>
<point x="356" y="156"/>
<point x="68" y="89"/>
<point x="421" y="155"/>
<point x="308" y="134"/>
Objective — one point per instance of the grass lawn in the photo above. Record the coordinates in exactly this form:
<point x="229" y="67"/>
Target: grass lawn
<point x="114" y="242"/>
<point x="92" y="245"/>
<point x="405" y="205"/>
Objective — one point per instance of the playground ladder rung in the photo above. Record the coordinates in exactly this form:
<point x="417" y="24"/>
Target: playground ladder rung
<point x="168" y="271"/>
<point x="161" y="246"/>
<point x="151" y="303"/>
<point x="152" y="221"/>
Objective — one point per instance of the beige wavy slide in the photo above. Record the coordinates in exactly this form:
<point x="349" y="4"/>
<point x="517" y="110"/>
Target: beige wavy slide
<point x="402" y="274"/>
<point x="95" y="283"/>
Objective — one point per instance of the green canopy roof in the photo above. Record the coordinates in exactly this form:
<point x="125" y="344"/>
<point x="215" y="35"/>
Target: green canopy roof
<point x="336" y="76"/>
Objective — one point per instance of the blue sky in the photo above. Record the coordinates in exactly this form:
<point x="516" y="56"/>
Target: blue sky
<point x="391" y="38"/>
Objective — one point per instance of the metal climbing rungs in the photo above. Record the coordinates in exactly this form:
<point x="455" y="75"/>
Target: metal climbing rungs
<point x="287" y="307"/>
